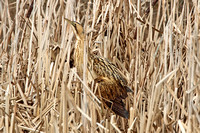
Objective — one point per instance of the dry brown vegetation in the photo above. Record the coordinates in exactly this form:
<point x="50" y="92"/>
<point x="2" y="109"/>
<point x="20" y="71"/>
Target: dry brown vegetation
<point x="156" y="45"/>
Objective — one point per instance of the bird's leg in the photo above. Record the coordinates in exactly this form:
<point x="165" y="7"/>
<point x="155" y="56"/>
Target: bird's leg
<point x="100" y="97"/>
<point x="108" y="108"/>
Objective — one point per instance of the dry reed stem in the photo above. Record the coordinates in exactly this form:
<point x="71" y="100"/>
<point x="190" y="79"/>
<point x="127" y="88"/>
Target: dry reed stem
<point x="154" y="43"/>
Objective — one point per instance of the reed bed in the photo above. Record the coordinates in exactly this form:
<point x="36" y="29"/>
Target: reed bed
<point x="155" y="43"/>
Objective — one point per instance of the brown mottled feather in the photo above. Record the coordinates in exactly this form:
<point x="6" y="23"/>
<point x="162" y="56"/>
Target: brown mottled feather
<point x="112" y="85"/>
<point x="112" y="94"/>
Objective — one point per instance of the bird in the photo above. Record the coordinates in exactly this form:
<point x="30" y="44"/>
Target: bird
<point x="112" y="84"/>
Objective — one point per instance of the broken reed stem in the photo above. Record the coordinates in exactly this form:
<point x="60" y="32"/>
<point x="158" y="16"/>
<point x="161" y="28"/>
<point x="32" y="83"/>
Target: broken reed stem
<point x="155" y="45"/>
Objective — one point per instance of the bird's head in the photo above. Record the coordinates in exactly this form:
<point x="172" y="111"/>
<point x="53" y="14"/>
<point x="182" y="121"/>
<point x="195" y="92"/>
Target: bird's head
<point x="77" y="28"/>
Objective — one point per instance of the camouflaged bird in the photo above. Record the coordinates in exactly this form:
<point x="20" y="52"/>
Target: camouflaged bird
<point x="111" y="82"/>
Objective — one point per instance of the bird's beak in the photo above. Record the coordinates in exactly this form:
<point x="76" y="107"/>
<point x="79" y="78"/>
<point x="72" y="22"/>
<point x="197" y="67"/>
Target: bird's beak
<point x="70" y="22"/>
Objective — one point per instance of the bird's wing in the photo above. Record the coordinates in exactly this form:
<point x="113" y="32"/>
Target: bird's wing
<point x="112" y="94"/>
<point x="103" y="67"/>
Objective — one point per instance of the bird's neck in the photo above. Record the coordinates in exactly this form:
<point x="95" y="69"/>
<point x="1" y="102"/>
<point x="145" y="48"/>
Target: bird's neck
<point x="80" y="44"/>
<point x="78" y="56"/>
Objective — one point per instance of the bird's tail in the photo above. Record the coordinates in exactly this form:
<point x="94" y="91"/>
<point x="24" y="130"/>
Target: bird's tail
<point x="118" y="107"/>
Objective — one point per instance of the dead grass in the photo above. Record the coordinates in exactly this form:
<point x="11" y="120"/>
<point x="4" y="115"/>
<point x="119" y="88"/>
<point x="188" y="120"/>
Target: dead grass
<point x="156" y="47"/>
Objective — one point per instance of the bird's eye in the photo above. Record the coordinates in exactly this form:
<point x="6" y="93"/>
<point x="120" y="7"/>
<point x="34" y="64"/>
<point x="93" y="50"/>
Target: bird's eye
<point x="75" y="26"/>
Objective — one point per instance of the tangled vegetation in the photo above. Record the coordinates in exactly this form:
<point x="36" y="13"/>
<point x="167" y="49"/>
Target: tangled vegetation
<point x="155" y="43"/>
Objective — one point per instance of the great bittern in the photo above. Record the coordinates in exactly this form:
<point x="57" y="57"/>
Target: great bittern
<point x="111" y="82"/>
